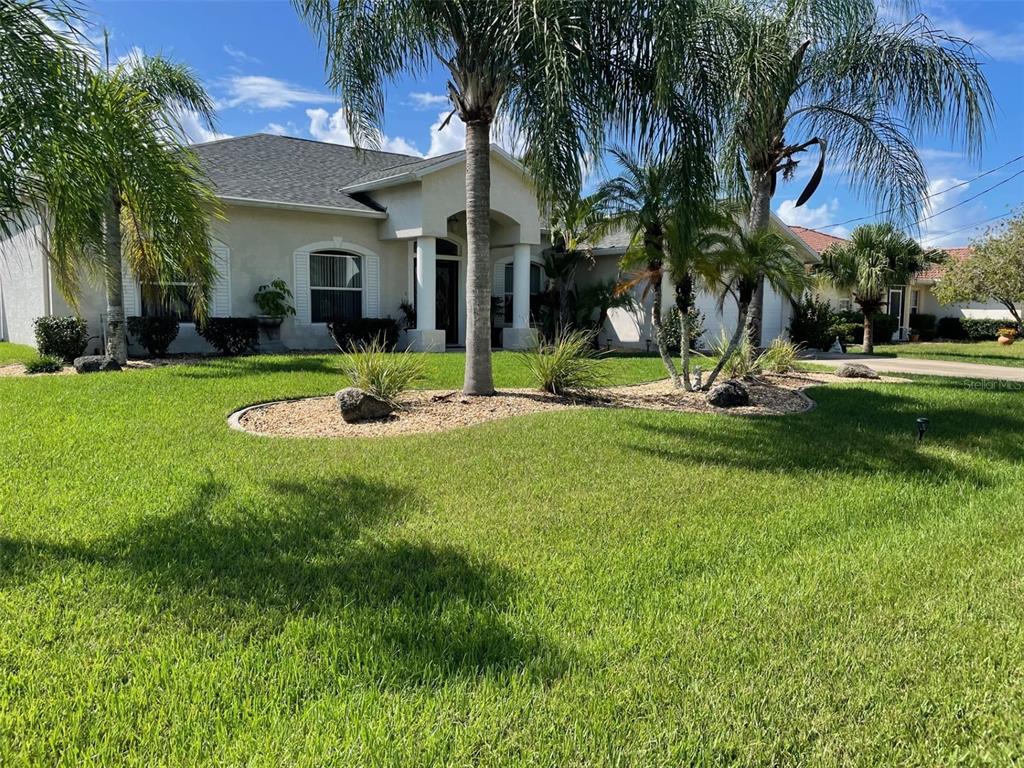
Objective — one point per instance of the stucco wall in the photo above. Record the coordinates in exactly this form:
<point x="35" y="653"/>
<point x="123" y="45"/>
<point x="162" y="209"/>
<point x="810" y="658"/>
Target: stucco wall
<point x="24" y="288"/>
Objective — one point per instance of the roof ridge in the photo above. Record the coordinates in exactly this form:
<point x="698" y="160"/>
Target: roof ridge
<point x="264" y="134"/>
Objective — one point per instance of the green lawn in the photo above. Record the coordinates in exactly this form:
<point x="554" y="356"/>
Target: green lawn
<point x="15" y="353"/>
<point x="578" y="588"/>
<point x="984" y="352"/>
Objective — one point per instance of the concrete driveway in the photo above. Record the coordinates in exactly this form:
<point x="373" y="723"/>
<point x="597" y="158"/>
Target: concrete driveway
<point x="925" y="367"/>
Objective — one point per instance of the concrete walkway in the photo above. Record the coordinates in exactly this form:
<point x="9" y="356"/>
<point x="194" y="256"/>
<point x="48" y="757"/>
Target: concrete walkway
<point x="925" y="367"/>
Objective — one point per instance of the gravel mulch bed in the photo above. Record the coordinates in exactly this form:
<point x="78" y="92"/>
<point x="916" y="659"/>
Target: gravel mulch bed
<point x="436" y="411"/>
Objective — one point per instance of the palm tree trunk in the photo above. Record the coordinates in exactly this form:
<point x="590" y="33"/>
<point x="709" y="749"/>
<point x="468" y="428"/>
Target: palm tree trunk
<point x="869" y="333"/>
<point x="758" y="220"/>
<point x="666" y="358"/>
<point x="117" y="337"/>
<point x="684" y="295"/>
<point x="741" y="328"/>
<point x="479" y="379"/>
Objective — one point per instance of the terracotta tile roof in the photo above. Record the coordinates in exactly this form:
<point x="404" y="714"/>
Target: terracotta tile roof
<point x="815" y="240"/>
<point x="936" y="271"/>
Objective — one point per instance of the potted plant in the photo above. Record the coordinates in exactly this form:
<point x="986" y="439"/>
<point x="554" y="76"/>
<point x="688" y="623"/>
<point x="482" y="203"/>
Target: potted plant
<point x="274" y="301"/>
<point x="1006" y="336"/>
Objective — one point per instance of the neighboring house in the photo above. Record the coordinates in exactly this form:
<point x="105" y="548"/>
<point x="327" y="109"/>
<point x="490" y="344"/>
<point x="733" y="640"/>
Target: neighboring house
<point x="916" y="297"/>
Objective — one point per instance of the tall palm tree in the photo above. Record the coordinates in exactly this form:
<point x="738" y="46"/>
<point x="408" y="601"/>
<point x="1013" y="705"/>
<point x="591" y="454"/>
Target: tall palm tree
<point x="561" y="73"/>
<point x="144" y="201"/>
<point x="878" y="256"/>
<point x="748" y="258"/>
<point x="643" y="199"/>
<point x="841" y="75"/>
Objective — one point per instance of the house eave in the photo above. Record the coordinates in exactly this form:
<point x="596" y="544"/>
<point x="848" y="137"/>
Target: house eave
<point x="304" y="207"/>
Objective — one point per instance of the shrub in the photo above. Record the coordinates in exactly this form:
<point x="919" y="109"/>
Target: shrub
<point x="811" y="323"/>
<point x="61" y="337"/>
<point x="273" y="299"/>
<point x="924" y="324"/>
<point x="885" y="326"/>
<point x="44" y="364"/>
<point x="847" y="332"/>
<point x="155" y="334"/>
<point x="364" y="331"/>
<point x="672" y="332"/>
<point x="231" y="335"/>
<point x="979" y="329"/>
<point x="384" y="374"/>
<point x="950" y="328"/>
<point x="568" y="365"/>
<point x="780" y="357"/>
<point x="849" y="327"/>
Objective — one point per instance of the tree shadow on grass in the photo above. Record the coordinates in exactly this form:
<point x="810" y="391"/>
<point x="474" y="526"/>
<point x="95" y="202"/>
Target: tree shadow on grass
<point x="258" y="365"/>
<point x="854" y="430"/>
<point x="400" y="612"/>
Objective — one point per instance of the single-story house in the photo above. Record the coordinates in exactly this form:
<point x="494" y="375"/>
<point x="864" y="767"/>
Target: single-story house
<point x="355" y="234"/>
<point x="916" y="297"/>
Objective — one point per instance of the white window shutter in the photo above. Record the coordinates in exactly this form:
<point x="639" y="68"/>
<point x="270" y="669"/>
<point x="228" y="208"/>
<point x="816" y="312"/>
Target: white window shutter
<point x="300" y="288"/>
<point x="221" y="304"/>
<point x="499" y="282"/>
<point x="371" y="286"/>
<point x="130" y="293"/>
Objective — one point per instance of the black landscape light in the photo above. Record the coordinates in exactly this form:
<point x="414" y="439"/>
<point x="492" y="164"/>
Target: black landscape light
<point x="922" y="427"/>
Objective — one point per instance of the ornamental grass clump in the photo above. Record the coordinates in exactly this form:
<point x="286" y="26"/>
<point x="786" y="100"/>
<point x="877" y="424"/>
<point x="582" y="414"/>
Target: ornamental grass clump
<point x="780" y="357"/>
<point x="570" y="365"/>
<point x="44" y="364"/>
<point x="385" y="375"/>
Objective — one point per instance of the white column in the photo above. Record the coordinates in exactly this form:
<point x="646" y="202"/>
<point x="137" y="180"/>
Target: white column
<point x="521" y="286"/>
<point x="426" y="283"/>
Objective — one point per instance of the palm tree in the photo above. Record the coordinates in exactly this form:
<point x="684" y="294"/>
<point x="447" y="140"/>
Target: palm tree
<point x="643" y="199"/>
<point x="838" y="74"/>
<point x="877" y="257"/>
<point x="749" y="257"/>
<point x="560" y="73"/>
<point x="143" y="201"/>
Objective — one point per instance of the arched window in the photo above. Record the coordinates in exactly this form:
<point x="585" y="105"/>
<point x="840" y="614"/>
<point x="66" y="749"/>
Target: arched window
<point x="335" y="286"/>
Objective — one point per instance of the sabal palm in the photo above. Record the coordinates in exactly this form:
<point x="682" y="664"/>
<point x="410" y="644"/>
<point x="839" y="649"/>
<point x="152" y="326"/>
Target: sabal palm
<point x="747" y="258"/>
<point x="143" y="201"/>
<point x="878" y="256"/>
<point x="534" y="62"/>
<point x="838" y="74"/>
<point x="643" y="199"/>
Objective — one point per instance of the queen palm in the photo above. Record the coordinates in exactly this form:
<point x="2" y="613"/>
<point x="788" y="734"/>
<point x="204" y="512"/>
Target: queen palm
<point x="558" y="72"/>
<point x="143" y="201"/>
<point x="838" y="74"/>
<point x="877" y="257"/>
<point x="746" y="259"/>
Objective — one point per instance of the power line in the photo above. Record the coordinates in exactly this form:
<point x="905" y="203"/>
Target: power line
<point x="973" y="197"/>
<point x="970" y="226"/>
<point x="931" y="194"/>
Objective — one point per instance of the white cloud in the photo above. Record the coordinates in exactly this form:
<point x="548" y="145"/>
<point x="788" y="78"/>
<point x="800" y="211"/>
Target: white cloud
<point x="261" y="92"/>
<point x="240" y="56"/>
<point x="423" y="101"/>
<point x="1002" y="45"/>
<point x="276" y="129"/>
<point x="453" y="136"/>
<point x="813" y="218"/>
<point x="950" y="227"/>
<point x="196" y="131"/>
<point x="331" y="127"/>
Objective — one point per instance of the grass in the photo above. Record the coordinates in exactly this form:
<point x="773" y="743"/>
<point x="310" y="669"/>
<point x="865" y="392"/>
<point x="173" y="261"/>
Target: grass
<point x="590" y="587"/>
<point x="983" y="352"/>
<point x="15" y="353"/>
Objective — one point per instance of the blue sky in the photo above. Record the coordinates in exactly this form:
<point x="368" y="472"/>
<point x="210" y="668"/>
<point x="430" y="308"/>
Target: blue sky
<point x="266" y="73"/>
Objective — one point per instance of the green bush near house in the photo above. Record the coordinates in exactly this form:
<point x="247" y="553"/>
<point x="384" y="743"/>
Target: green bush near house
<point x="365" y="330"/>
<point x="231" y="335"/>
<point x="811" y="323"/>
<point x="154" y="334"/>
<point x="983" y="329"/>
<point x="924" y="324"/>
<point x="63" y="337"/>
<point x="950" y="328"/>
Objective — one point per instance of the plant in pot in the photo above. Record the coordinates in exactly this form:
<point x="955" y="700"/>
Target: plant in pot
<point x="274" y="301"/>
<point x="1007" y="336"/>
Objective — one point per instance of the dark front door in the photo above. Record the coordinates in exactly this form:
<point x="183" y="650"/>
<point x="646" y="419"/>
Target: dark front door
<point x="448" y="300"/>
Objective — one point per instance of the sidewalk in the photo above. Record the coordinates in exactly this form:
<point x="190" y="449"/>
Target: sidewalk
<point x="924" y="367"/>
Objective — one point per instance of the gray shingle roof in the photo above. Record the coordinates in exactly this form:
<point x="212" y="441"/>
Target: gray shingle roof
<point x="413" y="165"/>
<point x="294" y="171"/>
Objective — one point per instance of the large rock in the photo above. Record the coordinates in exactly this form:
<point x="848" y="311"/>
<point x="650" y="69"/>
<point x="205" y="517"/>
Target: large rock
<point x="729" y="394"/>
<point x="96" y="364"/>
<point x="358" y="405"/>
<point x="856" y="371"/>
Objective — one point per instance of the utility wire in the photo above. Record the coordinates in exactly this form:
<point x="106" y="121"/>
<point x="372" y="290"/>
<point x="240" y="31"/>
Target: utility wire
<point x="973" y="197"/>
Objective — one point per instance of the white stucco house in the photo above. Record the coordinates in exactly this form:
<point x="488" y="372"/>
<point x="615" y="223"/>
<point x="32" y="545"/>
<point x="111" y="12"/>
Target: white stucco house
<point x="354" y="234"/>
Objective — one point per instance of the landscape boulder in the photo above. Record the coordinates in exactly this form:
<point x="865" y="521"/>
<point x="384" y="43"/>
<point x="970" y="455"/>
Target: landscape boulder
<point x="856" y="371"/>
<point x="729" y="394"/>
<point x="358" y="405"/>
<point x="96" y="364"/>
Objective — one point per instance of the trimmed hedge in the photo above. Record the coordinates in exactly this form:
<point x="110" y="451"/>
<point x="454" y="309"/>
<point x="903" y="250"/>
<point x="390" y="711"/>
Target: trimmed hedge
<point x="62" y="337"/>
<point x="155" y="334"/>
<point x="950" y="328"/>
<point x="977" y="329"/>
<point x="231" y="335"/>
<point x="924" y="324"/>
<point x="364" y="331"/>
